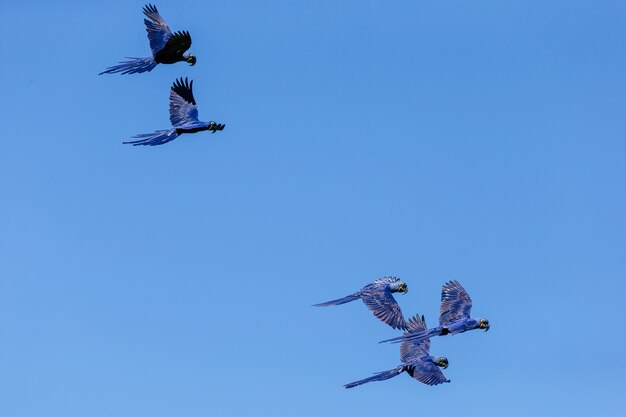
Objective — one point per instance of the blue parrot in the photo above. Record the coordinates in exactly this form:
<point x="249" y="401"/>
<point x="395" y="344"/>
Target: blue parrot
<point x="183" y="116"/>
<point x="378" y="298"/>
<point x="415" y="359"/>
<point x="454" y="315"/>
<point x="167" y="47"/>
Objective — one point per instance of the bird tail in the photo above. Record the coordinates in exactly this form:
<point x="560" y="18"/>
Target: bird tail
<point x="338" y="301"/>
<point x="134" y="66"/>
<point x="155" y="138"/>
<point x="416" y="336"/>
<point x="380" y="376"/>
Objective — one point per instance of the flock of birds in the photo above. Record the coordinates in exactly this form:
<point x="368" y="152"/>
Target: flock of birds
<point x="167" y="48"/>
<point x="415" y="357"/>
<point x="170" y="47"/>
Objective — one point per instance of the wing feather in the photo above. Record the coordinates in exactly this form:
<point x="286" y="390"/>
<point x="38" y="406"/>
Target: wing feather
<point x="456" y="303"/>
<point x="427" y="373"/>
<point x="411" y="350"/>
<point x="384" y="307"/>
<point x="183" y="108"/>
<point x="158" y="31"/>
<point x="176" y="44"/>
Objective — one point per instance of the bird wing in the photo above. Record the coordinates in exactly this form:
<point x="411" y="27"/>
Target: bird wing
<point x="183" y="108"/>
<point x="411" y="350"/>
<point x="384" y="306"/>
<point x="158" y="31"/>
<point x="426" y="372"/>
<point x="416" y="357"/>
<point x="176" y="44"/>
<point x="456" y="303"/>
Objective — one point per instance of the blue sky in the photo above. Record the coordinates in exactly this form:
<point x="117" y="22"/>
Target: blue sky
<point x="482" y="141"/>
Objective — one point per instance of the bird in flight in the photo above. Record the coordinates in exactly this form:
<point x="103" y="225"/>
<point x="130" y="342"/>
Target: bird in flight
<point x="415" y="359"/>
<point x="183" y="116"/>
<point x="454" y="315"/>
<point x="167" y="47"/>
<point x="378" y="297"/>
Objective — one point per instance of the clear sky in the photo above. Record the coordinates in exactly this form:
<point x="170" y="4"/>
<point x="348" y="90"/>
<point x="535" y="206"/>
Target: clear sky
<point x="479" y="140"/>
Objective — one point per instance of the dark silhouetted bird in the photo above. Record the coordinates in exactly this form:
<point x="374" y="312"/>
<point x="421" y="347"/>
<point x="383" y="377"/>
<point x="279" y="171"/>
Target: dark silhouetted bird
<point x="183" y="116"/>
<point x="378" y="298"/>
<point x="167" y="47"/>
<point x="454" y="315"/>
<point x="415" y="359"/>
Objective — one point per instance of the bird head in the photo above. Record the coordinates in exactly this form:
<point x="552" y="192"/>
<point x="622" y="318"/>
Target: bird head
<point x="400" y="287"/>
<point x="440" y="361"/>
<point x="214" y="127"/>
<point x="483" y="324"/>
<point x="191" y="58"/>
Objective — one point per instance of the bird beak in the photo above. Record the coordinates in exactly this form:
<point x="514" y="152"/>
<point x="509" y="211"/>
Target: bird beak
<point x="445" y="366"/>
<point x="192" y="60"/>
<point x="217" y="127"/>
<point x="487" y="328"/>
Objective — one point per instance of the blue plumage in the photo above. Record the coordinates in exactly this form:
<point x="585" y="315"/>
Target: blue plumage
<point x="454" y="315"/>
<point x="167" y="47"/>
<point x="183" y="116"/>
<point x="415" y="359"/>
<point x="378" y="298"/>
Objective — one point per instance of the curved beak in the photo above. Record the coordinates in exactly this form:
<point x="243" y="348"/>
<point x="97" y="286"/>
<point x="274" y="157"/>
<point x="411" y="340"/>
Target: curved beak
<point x="404" y="289"/>
<point x="445" y="366"/>
<point x="217" y="127"/>
<point x="192" y="60"/>
<point x="487" y="328"/>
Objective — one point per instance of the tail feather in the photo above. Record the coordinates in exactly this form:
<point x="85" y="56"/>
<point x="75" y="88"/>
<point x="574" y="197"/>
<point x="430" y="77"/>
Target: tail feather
<point x="155" y="138"/>
<point x="415" y="336"/>
<point x="134" y="66"/>
<point x="380" y="376"/>
<point x="339" y="301"/>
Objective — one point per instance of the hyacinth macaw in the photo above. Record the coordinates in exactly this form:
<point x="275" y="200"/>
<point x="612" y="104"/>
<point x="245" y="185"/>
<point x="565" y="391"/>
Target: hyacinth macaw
<point x="167" y="47"/>
<point x="454" y="315"/>
<point x="415" y="359"/>
<point x="378" y="298"/>
<point x="183" y="116"/>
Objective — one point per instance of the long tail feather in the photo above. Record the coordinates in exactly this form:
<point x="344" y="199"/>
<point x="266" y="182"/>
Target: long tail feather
<point x="155" y="138"/>
<point x="380" y="376"/>
<point x="134" y="66"/>
<point x="338" y="301"/>
<point x="415" y="336"/>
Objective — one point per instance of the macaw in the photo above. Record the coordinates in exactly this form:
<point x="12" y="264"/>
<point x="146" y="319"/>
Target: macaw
<point x="415" y="359"/>
<point x="167" y="47"/>
<point x="378" y="298"/>
<point x="183" y="116"/>
<point x="454" y="315"/>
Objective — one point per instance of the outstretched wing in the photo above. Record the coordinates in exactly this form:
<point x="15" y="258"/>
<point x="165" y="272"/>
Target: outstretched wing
<point x="183" y="109"/>
<point x="411" y="350"/>
<point x="456" y="303"/>
<point x="426" y="372"/>
<point x="176" y="45"/>
<point x="158" y="31"/>
<point x="384" y="306"/>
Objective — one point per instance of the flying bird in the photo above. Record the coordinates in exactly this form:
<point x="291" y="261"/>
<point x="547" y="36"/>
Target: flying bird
<point x="378" y="298"/>
<point x="183" y="116"/>
<point x="167" y="47"/>
<point x="415" y="359"/>
<point x="454" y="315"/>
